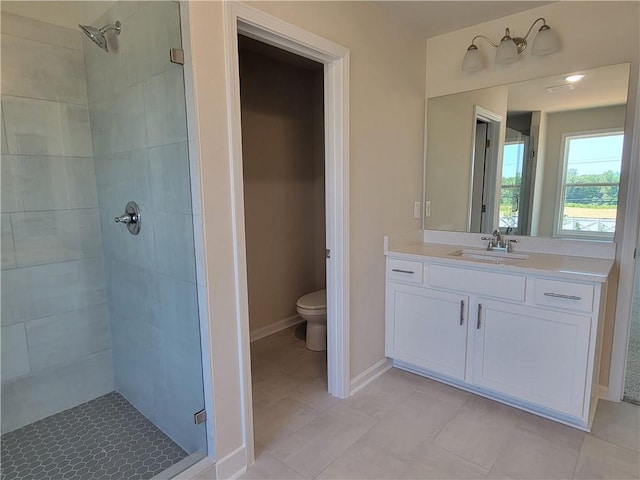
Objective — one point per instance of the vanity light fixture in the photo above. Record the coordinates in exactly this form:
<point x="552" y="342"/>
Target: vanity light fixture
<point x="509" y="48"/>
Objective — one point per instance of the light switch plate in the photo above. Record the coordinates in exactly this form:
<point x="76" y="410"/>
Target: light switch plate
<point x="416" y="210"/>
<point x="427" y="209"/>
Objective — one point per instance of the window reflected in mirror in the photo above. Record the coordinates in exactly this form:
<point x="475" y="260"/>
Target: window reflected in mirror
<point x="541" y="157"/>
<point x="590" y="184"/>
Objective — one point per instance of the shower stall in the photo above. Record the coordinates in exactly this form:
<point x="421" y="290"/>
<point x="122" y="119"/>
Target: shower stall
<point x="102" y="372"/>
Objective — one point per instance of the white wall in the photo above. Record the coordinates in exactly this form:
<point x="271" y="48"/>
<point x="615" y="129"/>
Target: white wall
<point x="591" y="34"/>
<point x="566" y="122"/>
<point x="386" y="150"/>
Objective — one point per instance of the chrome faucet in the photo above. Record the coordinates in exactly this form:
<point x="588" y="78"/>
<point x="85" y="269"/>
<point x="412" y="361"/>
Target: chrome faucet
<point x="499" y="243"/>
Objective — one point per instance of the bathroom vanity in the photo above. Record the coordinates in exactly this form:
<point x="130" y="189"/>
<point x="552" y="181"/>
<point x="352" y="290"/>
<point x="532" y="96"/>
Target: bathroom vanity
<point x="523" y="328"/>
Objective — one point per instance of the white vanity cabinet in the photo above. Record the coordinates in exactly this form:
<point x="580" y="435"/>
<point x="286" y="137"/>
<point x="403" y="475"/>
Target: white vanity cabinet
<point x="429" y="328"/>
<point x="520" y="338"/>
<point x="535" y="354"/>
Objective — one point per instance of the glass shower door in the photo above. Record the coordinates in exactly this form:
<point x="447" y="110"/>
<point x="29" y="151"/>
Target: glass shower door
<point x="632" y="376"/>
<point x="512" y="190"/>
<point x="139" y="131"/>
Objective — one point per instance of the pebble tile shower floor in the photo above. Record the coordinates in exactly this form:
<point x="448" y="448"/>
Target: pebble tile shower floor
<point x="106" y="438"/>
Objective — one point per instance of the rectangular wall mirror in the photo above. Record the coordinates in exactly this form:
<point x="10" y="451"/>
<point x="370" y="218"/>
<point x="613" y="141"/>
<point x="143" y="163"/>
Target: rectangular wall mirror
<point x="540" y="157"/>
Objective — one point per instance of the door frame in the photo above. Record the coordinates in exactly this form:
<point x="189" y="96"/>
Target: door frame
<point x="523" y="194"/>
<point x="478" y="164"/>
<point x="240" y="18"/>
<point x="493" y="165"/>
<point x="626" y="239"/>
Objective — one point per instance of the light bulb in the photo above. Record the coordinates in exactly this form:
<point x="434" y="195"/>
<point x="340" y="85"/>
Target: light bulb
<point x="472" y="61"/>
<point x="507" y="51"/>
<point x="545" y="42"/>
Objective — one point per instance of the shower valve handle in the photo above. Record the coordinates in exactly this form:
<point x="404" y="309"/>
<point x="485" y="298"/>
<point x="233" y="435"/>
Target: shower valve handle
<point x="126" y="218"/>
<point x="131" y="218"/>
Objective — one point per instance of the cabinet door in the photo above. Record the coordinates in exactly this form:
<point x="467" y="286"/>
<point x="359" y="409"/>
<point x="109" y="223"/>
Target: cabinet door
<point x="427" y="328"/>
<point x="534" y="354"/>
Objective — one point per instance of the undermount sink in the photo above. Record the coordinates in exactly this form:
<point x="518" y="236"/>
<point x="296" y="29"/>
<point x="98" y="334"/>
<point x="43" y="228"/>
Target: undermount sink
<point x="490" y="256"/>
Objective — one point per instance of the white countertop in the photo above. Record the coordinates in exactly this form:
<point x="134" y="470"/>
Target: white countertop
<point x="565" y="266"/>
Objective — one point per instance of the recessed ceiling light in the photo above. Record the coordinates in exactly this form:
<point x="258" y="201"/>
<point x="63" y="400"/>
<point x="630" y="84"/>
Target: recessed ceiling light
<point x="574" y="78"/>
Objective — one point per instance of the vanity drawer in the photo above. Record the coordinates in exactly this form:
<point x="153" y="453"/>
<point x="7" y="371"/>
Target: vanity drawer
<point x="499" y="285"/>
<point x="566" y="295"/>
<point x="404" y="271"/>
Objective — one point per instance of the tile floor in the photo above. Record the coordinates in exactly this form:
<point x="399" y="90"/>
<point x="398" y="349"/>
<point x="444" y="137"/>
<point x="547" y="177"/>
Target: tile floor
<point x="406" y="426"/>
<point x="106" y="438"/>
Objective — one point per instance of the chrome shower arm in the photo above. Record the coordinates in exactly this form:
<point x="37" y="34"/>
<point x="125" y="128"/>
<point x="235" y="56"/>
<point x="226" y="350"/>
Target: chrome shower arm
<point x="108" y="28"/>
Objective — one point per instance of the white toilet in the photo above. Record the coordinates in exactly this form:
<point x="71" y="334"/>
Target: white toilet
<point x="313" y="308"/>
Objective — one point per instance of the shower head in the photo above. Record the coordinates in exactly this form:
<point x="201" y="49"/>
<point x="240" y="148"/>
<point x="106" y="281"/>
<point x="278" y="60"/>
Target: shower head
<point x="97" y="35"/>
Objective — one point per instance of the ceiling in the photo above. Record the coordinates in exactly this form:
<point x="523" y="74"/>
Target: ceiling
<point x="426" y="18"/>
<point x="429" y="18"/>
<point x="600" y="87"/>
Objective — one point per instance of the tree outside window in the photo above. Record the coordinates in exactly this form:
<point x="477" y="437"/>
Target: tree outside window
<point x="590" y="184"/>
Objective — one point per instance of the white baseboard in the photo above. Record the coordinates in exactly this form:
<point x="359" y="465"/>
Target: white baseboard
<point x="274" y="327"/>
<point x="604" y="392"/>
<point x="233" y="465"/>
<point x="369" y="375"/>
<point x="197" y="470"/>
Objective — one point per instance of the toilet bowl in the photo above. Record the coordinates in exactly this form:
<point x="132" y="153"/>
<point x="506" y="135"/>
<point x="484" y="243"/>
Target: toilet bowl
<point x="312" y="307"/>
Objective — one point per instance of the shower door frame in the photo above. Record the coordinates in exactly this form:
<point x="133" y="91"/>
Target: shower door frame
<point x="260" y="26"/>
<point x="626" y="248"/>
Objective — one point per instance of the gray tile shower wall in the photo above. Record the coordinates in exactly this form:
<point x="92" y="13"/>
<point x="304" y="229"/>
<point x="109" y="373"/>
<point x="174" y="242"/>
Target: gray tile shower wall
<point x="56" y="347"/>
<point x="139" y="133"/>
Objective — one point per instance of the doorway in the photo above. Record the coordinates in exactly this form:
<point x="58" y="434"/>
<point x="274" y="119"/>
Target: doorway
<point x="516" y="186"/>
<point x="486" y="160"/>
<point x="281" y="97"/>
<point x="253" y="23"/>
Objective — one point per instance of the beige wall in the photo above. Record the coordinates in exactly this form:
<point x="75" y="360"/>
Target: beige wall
<point x="283" y="162"/>
<point x="451" y="124"/>
<point x="566" y="122"/>
<point x="539" y="130"/>
<point x="386" y="142"/>
<point x="574" y="23"/>
<point x="207" y="63"/>
<point x="387" y="71"/>
<point x="617" y="41"/>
